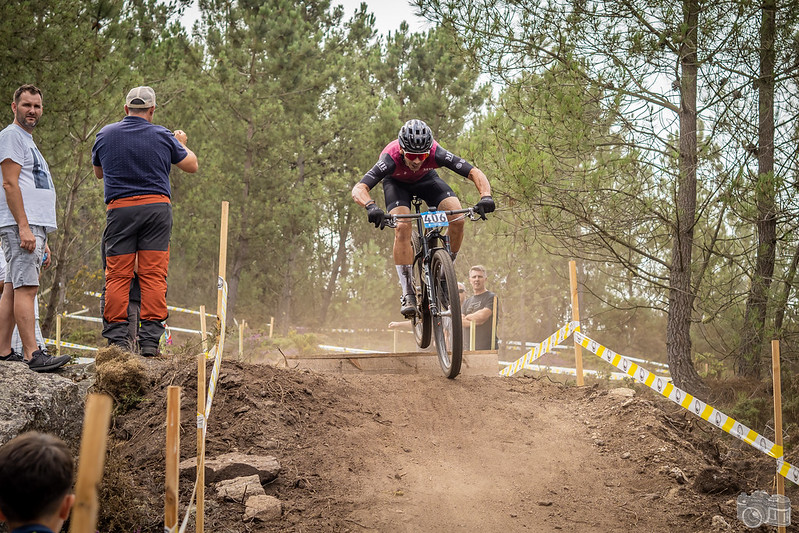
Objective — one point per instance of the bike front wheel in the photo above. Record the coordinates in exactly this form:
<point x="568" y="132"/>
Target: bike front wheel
<point x="447" y="324"/>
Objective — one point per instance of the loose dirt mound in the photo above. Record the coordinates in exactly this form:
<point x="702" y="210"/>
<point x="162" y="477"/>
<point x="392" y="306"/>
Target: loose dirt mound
<point x="423" y="453"/>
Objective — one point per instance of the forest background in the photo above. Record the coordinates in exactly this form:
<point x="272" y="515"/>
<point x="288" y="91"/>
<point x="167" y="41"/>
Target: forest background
<point x="654" y="142"/>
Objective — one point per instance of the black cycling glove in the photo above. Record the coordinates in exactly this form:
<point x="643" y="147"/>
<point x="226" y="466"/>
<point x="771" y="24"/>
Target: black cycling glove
<point x="485" y="205"/>
<point x="376" y="215"/>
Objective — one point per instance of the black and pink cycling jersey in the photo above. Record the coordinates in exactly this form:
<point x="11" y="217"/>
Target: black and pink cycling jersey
<point x="392" y="164"/>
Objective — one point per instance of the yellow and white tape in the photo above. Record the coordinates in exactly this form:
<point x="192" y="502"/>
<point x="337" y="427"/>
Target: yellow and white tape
<point x="71" y="345"/>
<point x="787" y="470"/>
<point x="344" y="349"/>
<point x="216" y="354"/>
<point x="220" y="348"/>
<point x="680" y="397"/>
<point x="543" y="348"/>
<point x="84" y="318"/>
<point x="170" y="307"/>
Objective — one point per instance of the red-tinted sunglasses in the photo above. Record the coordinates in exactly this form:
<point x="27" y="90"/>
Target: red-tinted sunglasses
<point x="416" y="157"/>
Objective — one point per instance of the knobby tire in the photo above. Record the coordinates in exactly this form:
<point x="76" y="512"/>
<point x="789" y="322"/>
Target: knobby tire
<point x="422" y="322"/>
<point x="447" y="329"/>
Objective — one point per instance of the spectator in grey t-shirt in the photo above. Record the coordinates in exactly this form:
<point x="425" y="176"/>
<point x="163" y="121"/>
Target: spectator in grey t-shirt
<point x="478" y="309"/>
<point x="27" y="215"/>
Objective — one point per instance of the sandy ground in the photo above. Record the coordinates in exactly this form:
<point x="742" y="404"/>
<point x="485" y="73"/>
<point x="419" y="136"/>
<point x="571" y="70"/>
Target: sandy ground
<point x="396" y="453"/>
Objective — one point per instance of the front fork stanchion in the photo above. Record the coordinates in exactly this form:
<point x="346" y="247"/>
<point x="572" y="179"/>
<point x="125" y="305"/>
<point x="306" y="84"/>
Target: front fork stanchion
<point x="428" y="275"/>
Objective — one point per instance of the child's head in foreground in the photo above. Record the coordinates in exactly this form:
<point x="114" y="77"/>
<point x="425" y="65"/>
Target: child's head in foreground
<point x="35" y="481"/>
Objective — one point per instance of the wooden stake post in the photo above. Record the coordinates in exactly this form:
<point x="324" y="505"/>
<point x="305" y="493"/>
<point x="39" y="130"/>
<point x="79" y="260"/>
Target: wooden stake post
<point x="58" y="334"/>
<point x="775" y="367"/>
<point x="203" y="329"/>
<point x="494" y="325"/>
<point x="90" y="467"/>
<point x="472" y="335"/>
<point x="172" y="459"/>
<point x="222" y="262"/>
<point x="578" y="351"/>
<point x="220" y="301"/>
<point x="241" y="340"/>
<point x="200" y="441"/>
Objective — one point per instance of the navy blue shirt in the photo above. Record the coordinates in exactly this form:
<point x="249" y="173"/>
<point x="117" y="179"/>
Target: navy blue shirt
<point x="136" y="157"/>
<point x="32" y="529"/>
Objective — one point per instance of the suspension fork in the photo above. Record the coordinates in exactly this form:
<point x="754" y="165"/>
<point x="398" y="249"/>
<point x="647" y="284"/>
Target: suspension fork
<point x="427" y="264"/>
<point x="427" y="257"/>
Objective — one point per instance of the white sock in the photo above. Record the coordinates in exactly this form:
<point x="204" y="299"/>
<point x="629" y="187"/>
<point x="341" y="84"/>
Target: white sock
<point x="405" y="274"/>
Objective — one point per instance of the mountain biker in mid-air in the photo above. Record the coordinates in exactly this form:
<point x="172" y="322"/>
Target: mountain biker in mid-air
<point x="407" y="168"/>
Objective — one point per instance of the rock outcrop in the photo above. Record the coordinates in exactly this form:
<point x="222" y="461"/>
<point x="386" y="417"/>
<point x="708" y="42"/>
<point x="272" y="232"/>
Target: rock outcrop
<point x="51" y="403"/>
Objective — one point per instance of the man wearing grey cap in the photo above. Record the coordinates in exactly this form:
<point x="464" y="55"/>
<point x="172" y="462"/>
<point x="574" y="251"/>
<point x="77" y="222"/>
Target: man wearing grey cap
<point x="134" y="157"/>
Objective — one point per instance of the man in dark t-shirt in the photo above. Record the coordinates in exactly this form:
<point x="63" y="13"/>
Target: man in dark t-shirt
<point x="478" y="309"/>
<point x="407" y="167"/>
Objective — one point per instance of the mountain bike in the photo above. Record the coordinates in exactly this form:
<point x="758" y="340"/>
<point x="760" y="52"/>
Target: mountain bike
<point x="438" y="311"/>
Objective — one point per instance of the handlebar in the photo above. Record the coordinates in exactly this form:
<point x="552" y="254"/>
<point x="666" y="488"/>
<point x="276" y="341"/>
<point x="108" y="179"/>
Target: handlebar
<point x="391" y="220"/>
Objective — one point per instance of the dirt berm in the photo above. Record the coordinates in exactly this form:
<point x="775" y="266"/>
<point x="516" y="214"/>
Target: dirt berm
<point x="414" y="453"/>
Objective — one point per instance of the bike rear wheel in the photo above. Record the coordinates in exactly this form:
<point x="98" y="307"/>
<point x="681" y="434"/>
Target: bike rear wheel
<point x="447" y="324"/>
<point x="422" y="322"/>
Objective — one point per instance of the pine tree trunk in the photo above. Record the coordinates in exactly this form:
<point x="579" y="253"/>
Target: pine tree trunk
<point x="242" y="243"/>
<point x="61" y="252"/>
<point x="748" y="361"/>
<point x="286" y="293"/>
<point x="681" y="297"/>
<point x="338" y="267"/>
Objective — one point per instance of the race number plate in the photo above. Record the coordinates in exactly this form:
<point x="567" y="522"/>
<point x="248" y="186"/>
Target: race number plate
<point x="434" y="219"/>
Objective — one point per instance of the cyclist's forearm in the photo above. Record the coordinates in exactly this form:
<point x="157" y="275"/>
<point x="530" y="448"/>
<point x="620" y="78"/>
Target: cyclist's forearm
<point x="480" y="181"/>
<point x="360" y="193"/>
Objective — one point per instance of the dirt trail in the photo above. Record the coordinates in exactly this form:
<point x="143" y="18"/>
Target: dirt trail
<point x="481" y="454"/>
<point x="397" y="453"/>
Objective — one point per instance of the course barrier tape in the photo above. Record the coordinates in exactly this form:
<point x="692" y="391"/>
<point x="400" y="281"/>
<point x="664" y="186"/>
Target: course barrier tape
<point x="543" y="348"/>
<point x="358" y="330"/>
<point x="219" y="347"/>
<point x="613" y="376"/>
<point x="185" y="330"/>
<point x="185" y="522"/>
<point x="94" y="319"/>
<point x="84" y="318"/>
<point x="527" y="345"/>
<point x="680" y="397"/>
<point x="212" y="354"/>
<point x="170" y="307"/>
<point x="71" y="345"/>
<point x="517" y="345"/>
<point x="343" y="349"/>
<point x="202" y="418"/>
<point x="664" y="366"/>
<point x="787" y="470"/>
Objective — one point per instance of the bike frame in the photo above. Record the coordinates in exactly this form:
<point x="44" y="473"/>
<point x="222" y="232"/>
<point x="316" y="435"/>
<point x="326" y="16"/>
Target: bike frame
<point x="428" y="238"/>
